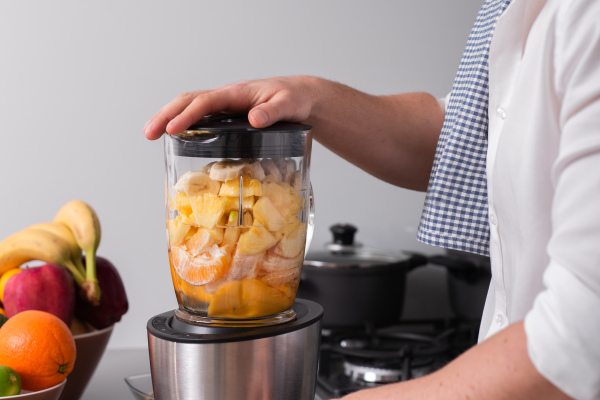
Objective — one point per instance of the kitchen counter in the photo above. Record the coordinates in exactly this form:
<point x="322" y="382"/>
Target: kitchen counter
<point x="116" y="364"/>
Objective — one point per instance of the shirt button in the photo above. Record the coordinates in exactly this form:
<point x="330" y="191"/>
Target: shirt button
<point x="499" y="319"/>
<point x="501" y="112"/>
<point x="493" y="219"/>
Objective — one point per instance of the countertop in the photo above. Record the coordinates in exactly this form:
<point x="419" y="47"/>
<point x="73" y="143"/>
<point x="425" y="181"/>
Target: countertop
<point x="116" y="364"/>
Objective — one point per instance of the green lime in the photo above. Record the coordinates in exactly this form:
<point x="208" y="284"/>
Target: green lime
<point x="3" y="319"/>
<point x="10" y="382"/>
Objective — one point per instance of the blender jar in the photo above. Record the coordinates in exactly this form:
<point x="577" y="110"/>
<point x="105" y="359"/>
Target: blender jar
<point x="238" y="208"/>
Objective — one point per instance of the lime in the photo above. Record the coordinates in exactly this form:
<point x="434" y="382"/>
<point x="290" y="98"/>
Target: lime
<point x="10" y="382"/>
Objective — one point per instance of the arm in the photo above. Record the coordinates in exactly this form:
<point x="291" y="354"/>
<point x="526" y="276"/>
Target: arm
<point x="511" y="376"/>
<point x="391" y="137"/>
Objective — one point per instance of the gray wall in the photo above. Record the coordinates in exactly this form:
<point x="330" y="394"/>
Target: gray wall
<point x="78" y="80"/>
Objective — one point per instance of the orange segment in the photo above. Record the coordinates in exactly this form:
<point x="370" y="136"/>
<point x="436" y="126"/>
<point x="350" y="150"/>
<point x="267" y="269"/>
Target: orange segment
<point x="248" y="298"/>
<point x="202" y="268"/>
<point x="200" y="242"/>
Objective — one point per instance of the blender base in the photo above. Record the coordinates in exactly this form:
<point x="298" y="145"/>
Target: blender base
<point x="190" y="361"/>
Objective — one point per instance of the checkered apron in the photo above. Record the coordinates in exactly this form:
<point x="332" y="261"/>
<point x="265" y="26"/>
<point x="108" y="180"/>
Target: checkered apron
<point x="455" y="214"/>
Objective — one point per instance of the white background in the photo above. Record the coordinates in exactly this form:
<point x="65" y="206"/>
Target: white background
<point x="78" y="80"/>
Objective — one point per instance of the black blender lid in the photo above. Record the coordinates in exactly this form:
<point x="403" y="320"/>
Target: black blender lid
<point x="166" y="326"/>
<point x="232" y="136"/>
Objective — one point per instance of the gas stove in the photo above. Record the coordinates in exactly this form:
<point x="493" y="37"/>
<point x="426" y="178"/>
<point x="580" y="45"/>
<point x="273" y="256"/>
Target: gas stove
<point x="356" y="359"/>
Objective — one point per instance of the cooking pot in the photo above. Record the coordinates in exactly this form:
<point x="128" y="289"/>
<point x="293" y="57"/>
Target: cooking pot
<point x="468" y="281"/>
<point x="357" y="286"/>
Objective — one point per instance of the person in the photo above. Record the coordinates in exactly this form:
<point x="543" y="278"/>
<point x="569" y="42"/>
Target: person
<point x="511" y="164"/>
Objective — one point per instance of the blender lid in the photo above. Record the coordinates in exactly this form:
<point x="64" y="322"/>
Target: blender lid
<point x="232" y="136"/>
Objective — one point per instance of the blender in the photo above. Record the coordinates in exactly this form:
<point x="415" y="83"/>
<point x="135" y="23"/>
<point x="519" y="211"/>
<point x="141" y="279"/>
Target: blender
<point x="239" y="218"/>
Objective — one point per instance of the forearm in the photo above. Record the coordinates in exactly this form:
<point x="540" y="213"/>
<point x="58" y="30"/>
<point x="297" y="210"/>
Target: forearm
<point x="391" y="137"/>
<point x="497" y="369"/>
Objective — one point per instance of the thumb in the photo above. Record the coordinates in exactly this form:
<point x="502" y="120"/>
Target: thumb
<point x="279" y="108"/>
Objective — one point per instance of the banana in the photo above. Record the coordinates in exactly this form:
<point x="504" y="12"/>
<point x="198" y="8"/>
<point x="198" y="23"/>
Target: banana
<point x="255" y="170"/>
<point x="65" y="233"/>
<point x="226" y="170"/>
<point x="195" y="183"/>
<point x="82" y="220"/>
<point x="271" y="170"/>
<point x="36" y="244"/>
<point x="287" y="166"/>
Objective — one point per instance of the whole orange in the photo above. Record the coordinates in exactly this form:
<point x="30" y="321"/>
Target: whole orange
<point x="39" y="346"/>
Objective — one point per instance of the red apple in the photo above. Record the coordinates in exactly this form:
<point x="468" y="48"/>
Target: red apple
<point x="113" y="299"/>
<point x="47" y="288"/>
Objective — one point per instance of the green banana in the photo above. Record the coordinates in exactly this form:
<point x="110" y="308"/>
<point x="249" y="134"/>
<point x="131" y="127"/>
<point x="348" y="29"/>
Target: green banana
<point x="82" y="220"/>
<point x="36" y="244"/>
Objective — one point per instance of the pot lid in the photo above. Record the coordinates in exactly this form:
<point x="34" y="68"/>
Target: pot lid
<point x="232" y="136"/>
<point x="343" y="252"/>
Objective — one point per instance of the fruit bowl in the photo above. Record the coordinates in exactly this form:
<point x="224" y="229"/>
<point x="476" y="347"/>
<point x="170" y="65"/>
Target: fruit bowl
<point x="140" y="386"/>
<point x="52" y="393"/>
<point x="90" y="348"/>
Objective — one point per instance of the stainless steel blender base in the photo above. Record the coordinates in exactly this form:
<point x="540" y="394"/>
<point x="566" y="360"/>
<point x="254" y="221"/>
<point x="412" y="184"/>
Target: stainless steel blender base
<point x="208" y="363"/>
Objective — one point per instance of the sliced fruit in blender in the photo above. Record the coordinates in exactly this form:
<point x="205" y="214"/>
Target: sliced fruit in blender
<point x="250" y="187"/>
<point x="266" y="213"/>
<point x="182" y="204"/>
<point x="196" y="183"/>
<point x="233" y="203"/>
<point x="283" y="197"/>
<point x="248" y="298"/>
<point x="226" y="170"/>
<point x="208" y="209"/>
<point x="256" y="240"/>
<point x="202" y="268"/>
<point x="177" y="232"/>
<point x="272" y="172"/>
<point x="292" y="243"/>
<point x="282" y="277"/>
<point x="232" y="232"/>
<point x="200" y="242"/>
<point x="274" y="262"/>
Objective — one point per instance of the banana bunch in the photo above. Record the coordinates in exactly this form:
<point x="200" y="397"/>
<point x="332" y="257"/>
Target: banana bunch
<point x="75" y="228"/>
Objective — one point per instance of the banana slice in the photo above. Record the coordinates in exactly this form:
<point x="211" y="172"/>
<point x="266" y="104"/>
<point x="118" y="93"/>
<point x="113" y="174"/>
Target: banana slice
<point x="271" y="170"/>
<point x="226" y="170"/>
<point x="196" y="183"/>
<point x="255" y="170"/>
<point x="287" y="167"/>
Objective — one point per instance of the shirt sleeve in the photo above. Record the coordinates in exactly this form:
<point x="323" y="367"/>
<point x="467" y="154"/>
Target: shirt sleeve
<point x="443" y="102"/>
<point x="563" y="327"/>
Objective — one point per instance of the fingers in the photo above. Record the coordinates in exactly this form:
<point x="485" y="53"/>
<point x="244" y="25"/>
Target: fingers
<point x="157" y="125"/>
<point x="282" y="106"/>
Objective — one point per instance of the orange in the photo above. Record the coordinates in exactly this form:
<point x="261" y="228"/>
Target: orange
<point x="247" y="298"/>
<point x="39" y="346"/>
<point x="2" y="312"/>
<point x="202" y="268"/>
<point x="4" y="279"/>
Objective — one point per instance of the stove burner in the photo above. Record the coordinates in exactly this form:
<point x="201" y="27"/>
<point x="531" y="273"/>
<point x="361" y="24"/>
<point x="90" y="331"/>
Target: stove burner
<point x="358" y="359"/>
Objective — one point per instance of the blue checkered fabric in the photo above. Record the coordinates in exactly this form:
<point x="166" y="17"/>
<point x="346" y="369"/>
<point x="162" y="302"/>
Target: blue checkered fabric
<point x="455" y="214"/>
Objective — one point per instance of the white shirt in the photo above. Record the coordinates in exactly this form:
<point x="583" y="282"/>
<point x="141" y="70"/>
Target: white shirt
<point x="543" y="169"/>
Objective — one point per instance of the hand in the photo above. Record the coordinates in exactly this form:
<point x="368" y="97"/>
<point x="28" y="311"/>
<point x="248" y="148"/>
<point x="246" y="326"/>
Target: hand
<point x="267" y="100"/>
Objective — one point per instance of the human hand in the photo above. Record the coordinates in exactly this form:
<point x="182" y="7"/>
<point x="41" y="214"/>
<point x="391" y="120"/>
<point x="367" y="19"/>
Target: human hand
<point x="266" y="100"/>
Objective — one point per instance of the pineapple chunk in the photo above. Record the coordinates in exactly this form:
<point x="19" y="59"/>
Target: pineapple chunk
<point x="256" y="240"/>
<point x="292" y="244"/>
<point x="251" y="187"/>
<point x="283" y="197"/>
<point x="208" y="209"/>
<point x="233" y="203"/>
<point x="177" y="232"/>
<point x="182" y="204"/>
<point x="265" y="213"/>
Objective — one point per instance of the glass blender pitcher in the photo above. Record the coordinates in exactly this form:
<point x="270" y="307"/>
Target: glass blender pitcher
<point x="238" y="209"/>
